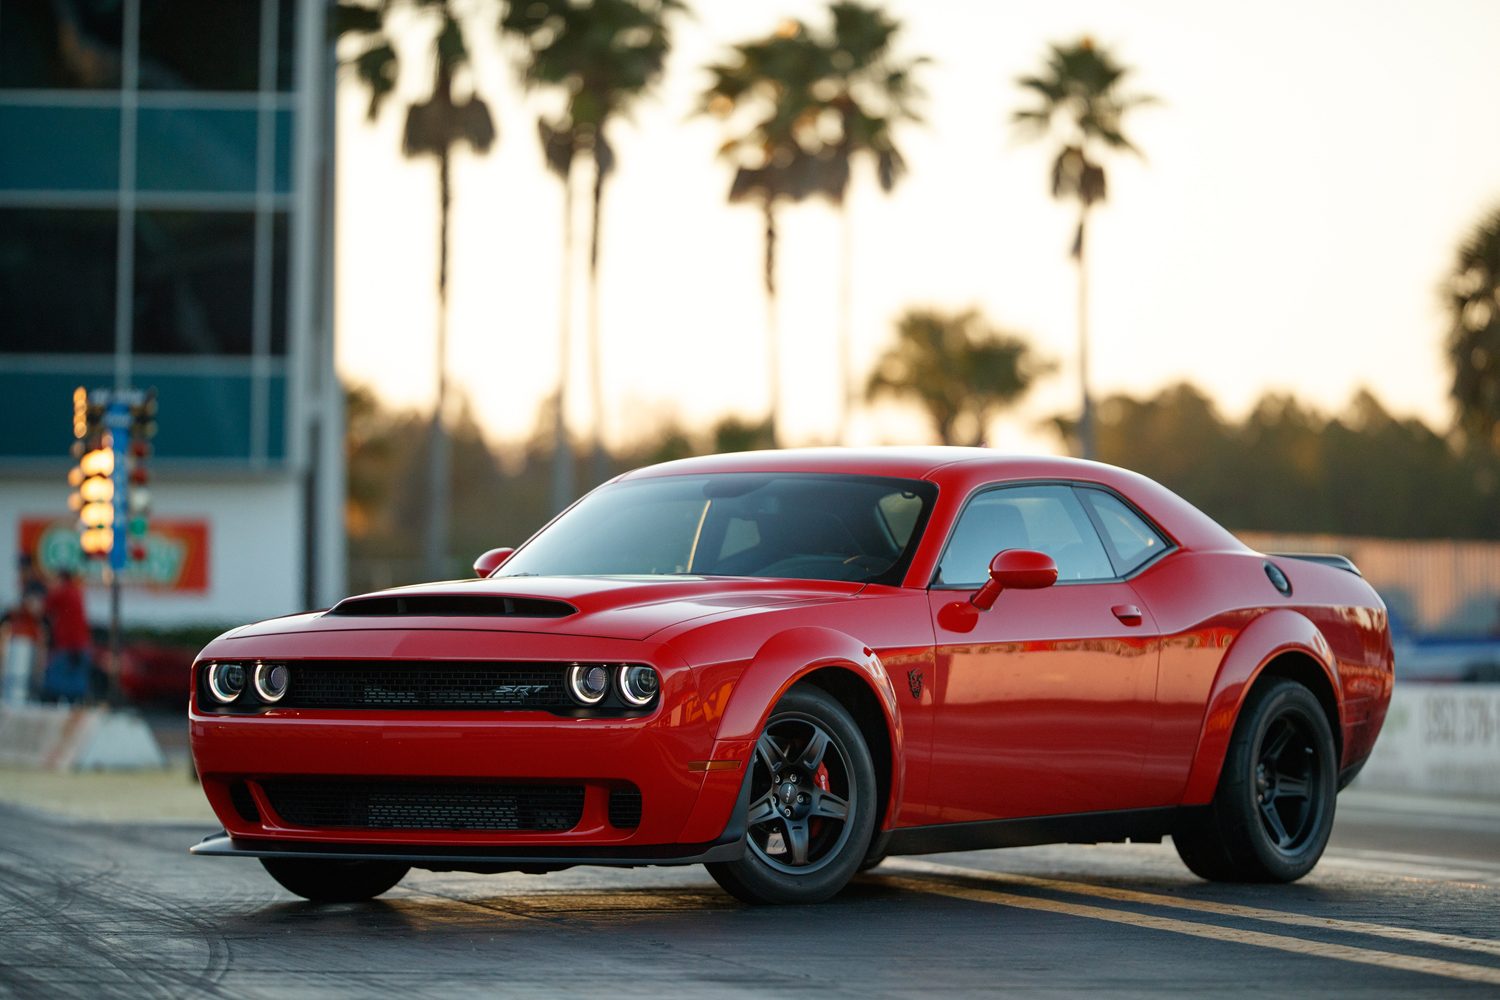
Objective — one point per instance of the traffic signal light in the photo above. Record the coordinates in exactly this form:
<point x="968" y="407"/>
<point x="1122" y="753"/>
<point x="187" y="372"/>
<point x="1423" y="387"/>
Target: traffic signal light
<point x="92" y="478"/>
<point x="112" y="433"/>
<point x="142" y="430"/>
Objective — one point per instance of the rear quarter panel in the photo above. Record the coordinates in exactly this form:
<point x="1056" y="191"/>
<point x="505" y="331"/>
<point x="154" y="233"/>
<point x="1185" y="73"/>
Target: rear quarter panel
<point x="1222" y="623"/>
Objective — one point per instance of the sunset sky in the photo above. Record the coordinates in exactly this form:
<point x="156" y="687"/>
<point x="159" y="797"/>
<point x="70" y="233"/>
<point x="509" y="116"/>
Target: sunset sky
<point x="1308" y="173"/>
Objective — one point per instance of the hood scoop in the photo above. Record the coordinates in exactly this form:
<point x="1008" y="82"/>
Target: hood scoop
<point x="453" y="606"/>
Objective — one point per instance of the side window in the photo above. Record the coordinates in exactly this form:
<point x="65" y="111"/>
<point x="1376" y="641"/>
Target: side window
<point x="1133" y="541"/>
<point x="1045" y="518"/>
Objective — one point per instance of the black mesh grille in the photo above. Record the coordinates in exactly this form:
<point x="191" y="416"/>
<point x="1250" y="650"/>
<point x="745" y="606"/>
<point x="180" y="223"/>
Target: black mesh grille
<point x="382" y="805"/>
<point x="425" y="685"/>
<point x="244" y="802"/>
<point x="625" y="808"/>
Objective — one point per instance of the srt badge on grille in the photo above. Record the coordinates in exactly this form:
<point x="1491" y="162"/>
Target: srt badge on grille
<point x="519" y="690"/>
<point x="914" y="678"/>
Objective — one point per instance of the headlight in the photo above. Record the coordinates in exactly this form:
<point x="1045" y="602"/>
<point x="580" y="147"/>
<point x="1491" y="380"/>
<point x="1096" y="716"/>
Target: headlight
<point x="226" y="681"/>
<point x="638" y="685"/>
<point x="271" y="680"/>
<point x="588" y="683"/>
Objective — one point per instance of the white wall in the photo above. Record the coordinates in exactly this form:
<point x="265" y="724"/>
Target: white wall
<point x="254" y="548"/>
<point x="1438" y="739"/>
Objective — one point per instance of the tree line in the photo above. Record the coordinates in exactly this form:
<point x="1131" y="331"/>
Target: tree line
<point x="802" y="106"/>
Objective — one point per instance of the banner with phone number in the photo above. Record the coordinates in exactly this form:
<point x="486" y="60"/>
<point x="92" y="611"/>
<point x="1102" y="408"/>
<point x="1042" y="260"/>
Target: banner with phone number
<point x="176" y="554"/>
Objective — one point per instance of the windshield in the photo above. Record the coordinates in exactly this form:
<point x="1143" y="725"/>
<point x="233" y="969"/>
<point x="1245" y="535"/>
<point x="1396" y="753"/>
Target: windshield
<point x="803" y="527"/>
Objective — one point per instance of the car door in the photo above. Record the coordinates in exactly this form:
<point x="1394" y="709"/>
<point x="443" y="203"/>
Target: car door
<point x="1043" y="705"/>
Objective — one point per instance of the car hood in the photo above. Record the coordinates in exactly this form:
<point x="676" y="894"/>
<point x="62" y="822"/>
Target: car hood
<point x="606" y="607"/>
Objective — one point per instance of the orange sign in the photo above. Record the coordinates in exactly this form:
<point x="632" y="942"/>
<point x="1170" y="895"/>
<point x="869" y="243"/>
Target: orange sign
<point x="176" y="554"/>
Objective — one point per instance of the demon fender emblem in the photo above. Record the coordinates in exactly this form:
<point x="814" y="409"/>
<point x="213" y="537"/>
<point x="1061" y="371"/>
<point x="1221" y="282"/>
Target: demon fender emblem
<point x="914" y="678"/>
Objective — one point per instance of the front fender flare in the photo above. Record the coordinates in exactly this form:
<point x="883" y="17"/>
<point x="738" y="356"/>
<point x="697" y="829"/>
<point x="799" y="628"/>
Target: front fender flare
<point x="783" y="660"/>
<point x="1267" y="637"/>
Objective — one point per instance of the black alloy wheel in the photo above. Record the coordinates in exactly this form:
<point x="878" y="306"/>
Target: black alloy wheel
<point x="1273" y="810"/>
<point x="812" y="804"/>
<point x="335" y="881"/>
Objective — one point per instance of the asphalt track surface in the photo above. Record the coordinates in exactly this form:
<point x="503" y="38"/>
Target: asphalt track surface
<point x="1405" y="904"/>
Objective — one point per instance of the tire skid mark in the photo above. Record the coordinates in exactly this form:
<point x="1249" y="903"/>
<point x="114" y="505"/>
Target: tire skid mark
<point x="88" y="919"/>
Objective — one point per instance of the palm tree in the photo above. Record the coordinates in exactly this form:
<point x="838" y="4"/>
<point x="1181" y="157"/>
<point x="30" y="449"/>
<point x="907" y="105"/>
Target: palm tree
<point x="1474" y="339"/>
<point x="956" y="366"/>
<point x="871" y="94"/>
<point x="1080" y="85"/>
<point x="604" y="54"/>
<point x="433" y="127"/>
<point x="782" y="154"/>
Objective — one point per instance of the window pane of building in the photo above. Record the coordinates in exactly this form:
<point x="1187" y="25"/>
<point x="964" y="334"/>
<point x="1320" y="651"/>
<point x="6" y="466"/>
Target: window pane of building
<point x="59" y="149"/>
<point x="60" y="43"/>
<point x="286" y="45"/>
<point x="36" y="412"/>
<point x="200" y="44"/>
<point x="57" y="281"/>
<point x="194" y="282"/>
<point x="195" y="149"/>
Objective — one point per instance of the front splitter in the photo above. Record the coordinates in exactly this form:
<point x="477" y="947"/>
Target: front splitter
<point x="520" y="859"/>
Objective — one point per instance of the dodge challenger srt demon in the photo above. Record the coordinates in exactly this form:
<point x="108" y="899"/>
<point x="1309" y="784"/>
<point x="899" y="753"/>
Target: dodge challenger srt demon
<point x="788" y="665"/>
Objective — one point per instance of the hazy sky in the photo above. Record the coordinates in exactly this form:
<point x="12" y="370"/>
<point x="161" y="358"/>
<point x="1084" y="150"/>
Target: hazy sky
<point x="1308" y="174"/>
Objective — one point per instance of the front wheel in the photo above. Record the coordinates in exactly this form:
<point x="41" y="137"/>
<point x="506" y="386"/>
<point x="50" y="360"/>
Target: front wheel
<point x="335" y="881"/>
<point x="812" y="804"/>
<point x="1273" y="810"/>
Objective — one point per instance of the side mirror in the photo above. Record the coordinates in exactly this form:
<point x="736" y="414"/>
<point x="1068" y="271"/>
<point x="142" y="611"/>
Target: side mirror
<point x="491" y="561"/>
<point x="1015" y="569"/>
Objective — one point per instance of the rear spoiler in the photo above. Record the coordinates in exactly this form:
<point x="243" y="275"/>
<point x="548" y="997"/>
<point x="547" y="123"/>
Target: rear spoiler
<point x="1327" y="559"/>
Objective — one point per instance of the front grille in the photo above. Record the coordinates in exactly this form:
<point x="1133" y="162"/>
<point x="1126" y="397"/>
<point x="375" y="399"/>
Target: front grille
<point x="384" y="805"/>
<point x="425" y="685"/>
<point x="625" y="808"/>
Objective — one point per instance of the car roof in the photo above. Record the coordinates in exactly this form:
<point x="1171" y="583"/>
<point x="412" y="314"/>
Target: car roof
<point x="961" y="470"/>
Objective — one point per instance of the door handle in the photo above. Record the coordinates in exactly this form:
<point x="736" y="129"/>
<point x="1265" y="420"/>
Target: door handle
<point x="1127" y="613"/>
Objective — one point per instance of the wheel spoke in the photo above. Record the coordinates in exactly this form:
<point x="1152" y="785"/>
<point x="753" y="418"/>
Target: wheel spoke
<point x="1273" y="820"/>
<point x="762" y="809"/>
<point x="812" y="756"/>
<point x="769" y="753"/>
<point x="1271" y="749"/>
<point x="829" y="805"/>
<point x="1290" y="788"/>
<point x="797" y="833"/>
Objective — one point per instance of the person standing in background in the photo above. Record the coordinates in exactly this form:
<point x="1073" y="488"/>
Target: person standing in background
<point x="23" y="640"/>
<point x="70" y="668"/>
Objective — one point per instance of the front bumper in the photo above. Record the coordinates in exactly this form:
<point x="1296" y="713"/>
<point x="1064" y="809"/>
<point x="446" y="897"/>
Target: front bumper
<point x="684" y="811"/>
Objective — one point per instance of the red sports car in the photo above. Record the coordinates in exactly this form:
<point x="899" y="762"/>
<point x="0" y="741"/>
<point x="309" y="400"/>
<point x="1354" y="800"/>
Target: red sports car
<point x="788" y="665"/>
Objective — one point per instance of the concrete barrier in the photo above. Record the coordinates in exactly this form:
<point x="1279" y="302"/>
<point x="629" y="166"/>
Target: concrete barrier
<point x="1438" y="739"/>
<point x="57" y="738"/>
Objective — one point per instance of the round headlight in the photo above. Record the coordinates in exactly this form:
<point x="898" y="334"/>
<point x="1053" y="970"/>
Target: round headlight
<point x="226" y="681"/>
<point x="588" y="683"/>
<point x="271" y="680"/>
<point x="638" y="685"/>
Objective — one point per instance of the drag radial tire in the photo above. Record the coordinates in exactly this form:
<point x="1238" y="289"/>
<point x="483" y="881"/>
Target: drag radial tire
<point x="1273" y="810"/>
<point x="335" y="881"/>
<point x="812" y="804"/>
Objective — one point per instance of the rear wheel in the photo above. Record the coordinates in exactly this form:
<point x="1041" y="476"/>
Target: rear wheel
<point x="812" y="804"/>
<point x="335" y="881"/>
<point x="1273" y="811"/>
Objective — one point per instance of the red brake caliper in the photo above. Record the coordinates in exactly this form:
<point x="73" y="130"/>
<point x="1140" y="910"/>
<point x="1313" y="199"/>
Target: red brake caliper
<point x="821" y="780"/>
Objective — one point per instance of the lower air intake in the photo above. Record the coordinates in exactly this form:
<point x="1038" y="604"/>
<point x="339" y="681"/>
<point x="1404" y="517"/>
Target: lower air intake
<point x="625" y="808"/>
<point x="381" y="805"/>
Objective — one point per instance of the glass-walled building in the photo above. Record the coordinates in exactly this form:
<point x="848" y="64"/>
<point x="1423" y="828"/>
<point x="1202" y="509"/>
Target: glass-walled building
<point x="164" y="223"/>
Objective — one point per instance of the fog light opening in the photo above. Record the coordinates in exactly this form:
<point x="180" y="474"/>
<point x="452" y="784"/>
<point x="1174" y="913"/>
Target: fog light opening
<point x="271" y="681"/>
<point x="226" y="681"/>
<point x="588" y="683"/>
<point x="638" y="685"/>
